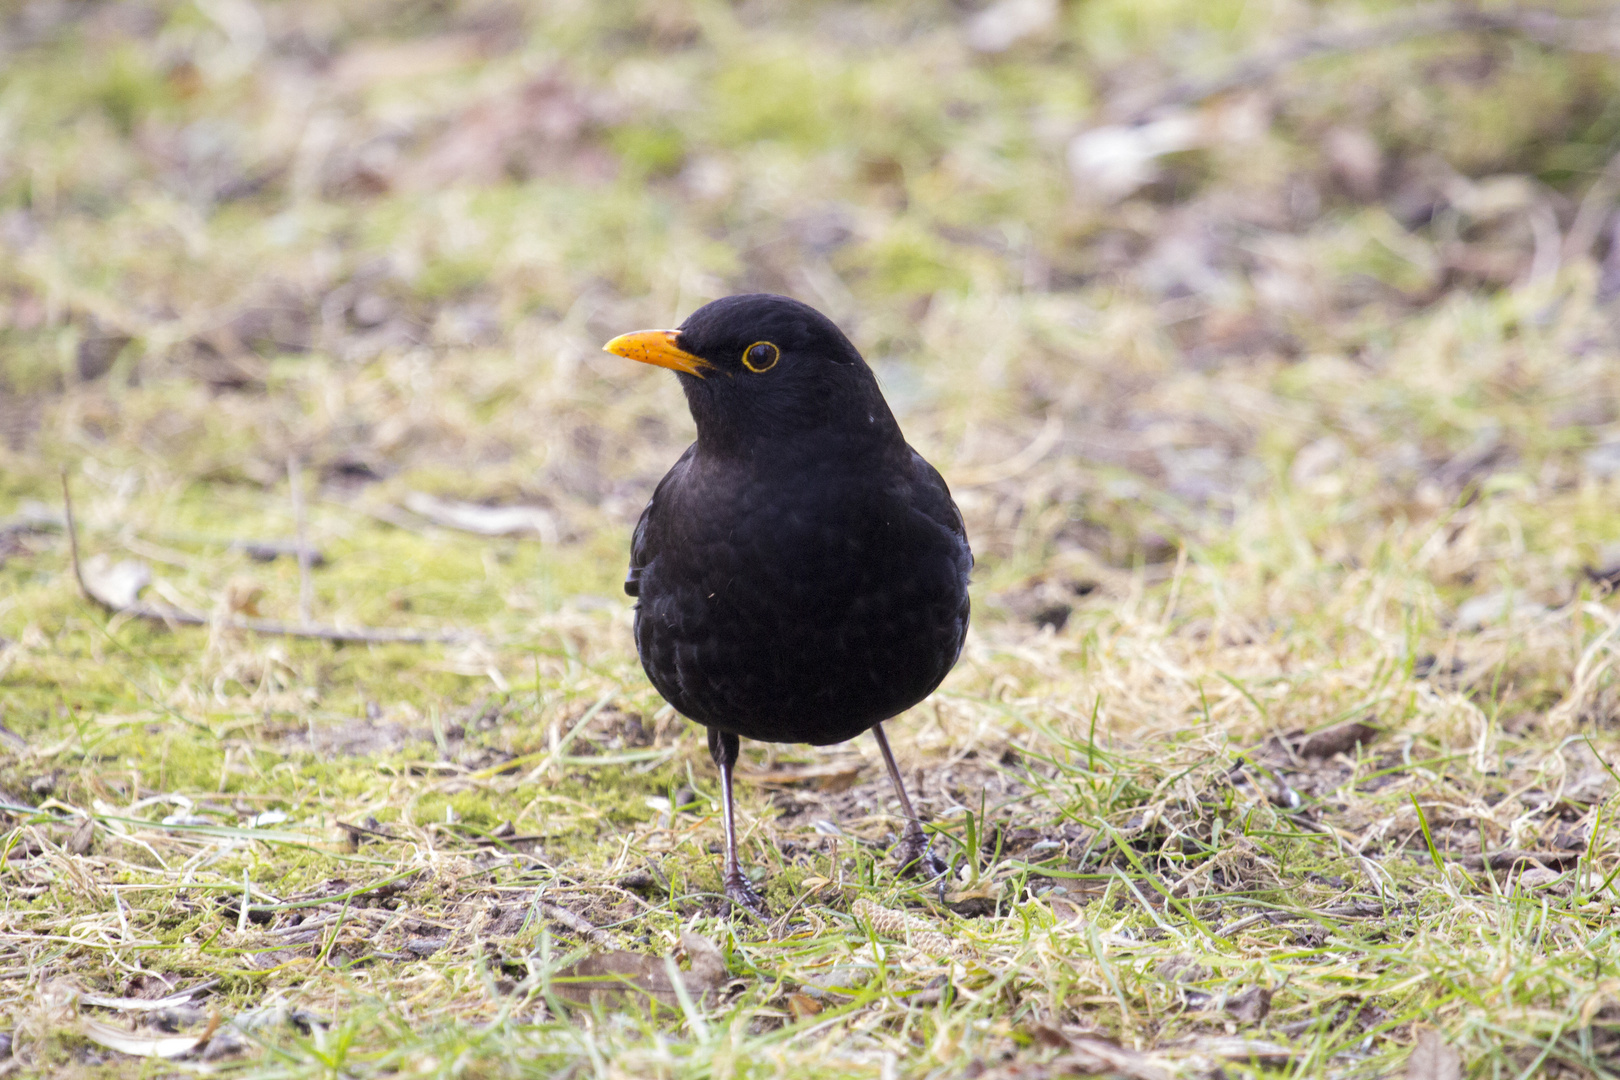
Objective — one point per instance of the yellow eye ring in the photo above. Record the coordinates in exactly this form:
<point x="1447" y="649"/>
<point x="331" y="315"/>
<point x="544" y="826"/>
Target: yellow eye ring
<point x="760" y="357"/>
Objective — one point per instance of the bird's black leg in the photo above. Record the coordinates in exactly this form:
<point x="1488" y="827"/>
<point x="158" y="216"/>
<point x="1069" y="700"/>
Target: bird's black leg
<point x="724" y="748"/>
<point x="914" y="852"/>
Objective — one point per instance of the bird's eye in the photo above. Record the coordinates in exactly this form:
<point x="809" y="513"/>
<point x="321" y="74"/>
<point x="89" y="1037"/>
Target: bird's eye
<point x="761" y="356"/>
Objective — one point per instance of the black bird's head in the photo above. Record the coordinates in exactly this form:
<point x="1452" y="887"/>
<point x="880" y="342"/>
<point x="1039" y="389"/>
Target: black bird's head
<point x="763" y="370"/>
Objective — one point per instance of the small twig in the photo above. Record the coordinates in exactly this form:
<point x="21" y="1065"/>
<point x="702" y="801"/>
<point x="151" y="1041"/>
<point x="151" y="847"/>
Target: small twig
<point x="266" y="550"/>
<point x="174" y="616"/>
<point x="357" y="831"/>
<point x="1594" y="208"/>
<point x="360" y="634"/>
<point x="1243" y="924"/>
<point x="390" y="515"/>
<point x="1507" y="860"/>
<point x="306" y="590"/>
<point x="1548" y="254"/>
<point x="1335" y="914"/>
<point x="247" y="902"/>
<point x="213" y="1026"/>
<point x="577" y="923"/>
<point x="73" y="537"/>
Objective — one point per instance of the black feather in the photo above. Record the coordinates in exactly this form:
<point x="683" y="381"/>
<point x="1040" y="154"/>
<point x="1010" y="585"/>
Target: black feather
<point x="801" y="572"/>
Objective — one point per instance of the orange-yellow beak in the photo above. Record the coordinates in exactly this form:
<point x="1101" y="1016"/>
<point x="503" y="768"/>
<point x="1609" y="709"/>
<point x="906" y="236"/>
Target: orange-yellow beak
<point x="657" y="347"/>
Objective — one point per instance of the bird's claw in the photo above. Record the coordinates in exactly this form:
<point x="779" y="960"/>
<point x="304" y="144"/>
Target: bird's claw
<point x="742" y="894"/>
<point x="917" y="857"/>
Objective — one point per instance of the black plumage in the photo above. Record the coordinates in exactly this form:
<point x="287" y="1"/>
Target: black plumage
<point x="801" y="573"/>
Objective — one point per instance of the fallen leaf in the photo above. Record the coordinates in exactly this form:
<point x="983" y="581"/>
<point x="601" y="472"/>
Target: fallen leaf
<point x="1002" y="25"/>
<point x="1065" y="910"/>
<point x="183" y="818"/>
<point x="1235" y="1049"/>
<point x="1538" y="877"/>
<point x="802" y="1006"/>
<point x="1181" y="969"/>
<point x="613" y="974"/>
<point x="83" y="833"/>
<point x="1338" y="739"/>
<point x="141" y="1004"/>
<point x="1496" y="607"/>
<point x="1089" y="1055"/>
<point x="484" y="520"/>
<point x="242" y="596"/>
<point x="839" y="980"/>
<point x="115" y="585"/>
<point x="830" y="776"/>
<point x="708" y="964"/>
<point x="1250" y="1006"/>
<point x="621" y="975"/>
<point x="151" y="1046"/>
<point x="148" y="986"/>
<point x="1114" y="160"/>
<point x="1433" y="1059"/>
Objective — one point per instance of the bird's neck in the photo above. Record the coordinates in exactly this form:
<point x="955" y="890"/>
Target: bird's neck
<point x="854" y="423"/>
<point x="858" y="443"/>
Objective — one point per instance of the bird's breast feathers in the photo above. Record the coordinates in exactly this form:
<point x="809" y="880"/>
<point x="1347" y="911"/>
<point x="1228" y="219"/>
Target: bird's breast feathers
<point x="731" y="530"/>
<point x="749" y="600"/>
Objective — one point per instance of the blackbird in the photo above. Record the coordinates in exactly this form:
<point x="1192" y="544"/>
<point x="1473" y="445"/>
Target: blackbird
<point x="801" y="573"/>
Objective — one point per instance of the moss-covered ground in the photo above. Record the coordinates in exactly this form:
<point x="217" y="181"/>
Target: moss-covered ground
<point x="1286" y="426"/>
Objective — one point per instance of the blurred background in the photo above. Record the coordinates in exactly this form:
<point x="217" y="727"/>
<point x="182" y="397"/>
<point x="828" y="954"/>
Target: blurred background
<point x="1121" y="266"/>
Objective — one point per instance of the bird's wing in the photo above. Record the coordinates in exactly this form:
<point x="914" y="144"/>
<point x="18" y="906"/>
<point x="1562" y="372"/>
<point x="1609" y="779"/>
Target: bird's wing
<point x="933" y="498"/>
<point x="643" y="546"/>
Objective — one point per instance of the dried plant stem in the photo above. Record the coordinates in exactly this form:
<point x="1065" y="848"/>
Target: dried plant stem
<point x="306" y="589"/>
<point x="577" y="923"/>
<point x="179" y="617"/>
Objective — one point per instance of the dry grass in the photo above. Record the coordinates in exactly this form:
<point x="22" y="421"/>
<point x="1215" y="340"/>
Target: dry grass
<point x="1285" y="737"/>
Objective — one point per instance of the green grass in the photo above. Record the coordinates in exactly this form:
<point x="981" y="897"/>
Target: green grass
<point x="1249" y="453"/>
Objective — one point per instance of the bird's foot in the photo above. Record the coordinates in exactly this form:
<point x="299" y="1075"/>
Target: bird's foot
<point x="916" y="856"/>
<point x="742" y="894"/>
